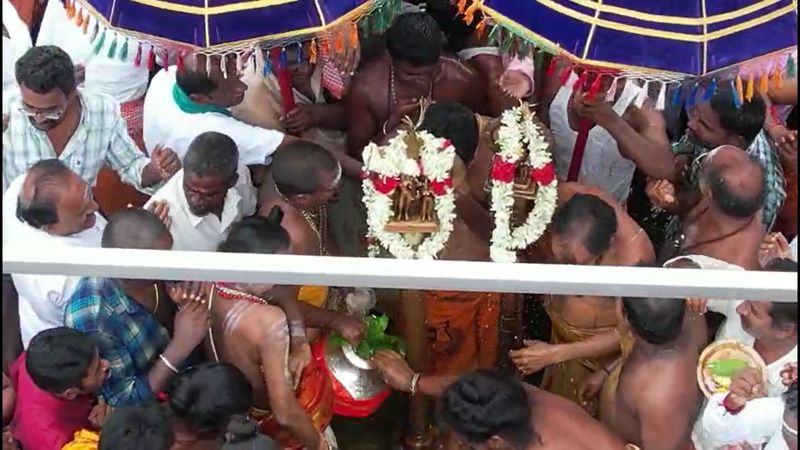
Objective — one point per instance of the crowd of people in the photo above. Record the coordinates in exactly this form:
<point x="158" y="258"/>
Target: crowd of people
<point x="219" y="165"/>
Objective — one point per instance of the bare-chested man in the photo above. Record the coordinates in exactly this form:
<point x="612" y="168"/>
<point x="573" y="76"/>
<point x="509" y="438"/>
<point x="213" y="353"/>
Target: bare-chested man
<point x="588" y="228"/>
<point x="726" y="222"/>
<point x="650" y="397"/>
<point x="489" y="410"/>
<point x="387" y="89"/>
<point x="253" y="335"/>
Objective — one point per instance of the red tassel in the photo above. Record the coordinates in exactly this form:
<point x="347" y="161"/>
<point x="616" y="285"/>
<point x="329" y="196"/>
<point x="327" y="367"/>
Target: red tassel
<point x="180" y="62"/>
<point x="151" y="59"/>
<point x="596" y="85"/>
<point x="564" y="77"/>
<point x="166" y="58"/>
<point x="581" y="81"/>
<point x="551" y="68"/>
<point x="137" y="61"/>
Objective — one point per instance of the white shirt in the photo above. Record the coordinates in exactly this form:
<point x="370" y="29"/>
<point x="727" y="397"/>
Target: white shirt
<point x="166" y="124"/>
<point x="760" y="421"/>
<point x="42" y="298"/>
<point x="193" y="233"/>
<point x="793" y="248"/>
<point x="15" y="45"/>
<point x="113" y="76"/>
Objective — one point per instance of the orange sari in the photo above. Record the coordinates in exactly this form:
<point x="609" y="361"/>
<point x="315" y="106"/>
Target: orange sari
<point x="465" y="330"/>
<point x="315" y="395"/>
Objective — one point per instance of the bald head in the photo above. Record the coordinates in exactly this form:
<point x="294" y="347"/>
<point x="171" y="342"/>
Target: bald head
<point x="40" y="191"/>
<point x="136" y="228"/>
<point x="735" y="182"/>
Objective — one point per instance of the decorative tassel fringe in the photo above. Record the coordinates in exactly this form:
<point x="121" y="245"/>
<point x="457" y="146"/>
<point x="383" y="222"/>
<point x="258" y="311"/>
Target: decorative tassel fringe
<point x="790" y="67"/>
<point x="677" y="95"/>
<point x="354" y="43"/>
<point x="710" y="90"/>
<point x="643" y="94"/>
<point x="324" y="47"/>
<point x="777" y="79"/>
<point x="137" y="60"/>
<point x="151" y="59"/>
<point x="100" y="43"/>
<point x="661" y="100"/>
<point x="182" y="63"/>
<point x="165" y="57"/>
<point x="480" y="28"/>
<point x="86" y="22"/>
<point x="312" y="51"/>
<point x="750" y="92"/>
<point x="223" y="65"/>
<point x="564" y="77"/>
<point x="469" y="14"/>
<point x="282" y="58"/>
<point x="461" y="6"/>
<point x="79" y="19"/>
<point x="338" y="43"/>
<point x="611" y="93"/>
<point x="267" y="63"/>
<point x="112" y="49"/>
<point x="739" y="88"/>
<point x="737" y="94"/>
<point x="763" y="84"/>
<point x="70" y="9"/>
<point x="581" y="81"/>
<point x="596" y="85"/>
<point x="255" y="59"/>
<point x="692" y="98"/>
<point x="552" y="66"/>
<point x="94" y="31"/>
<point x="123" y="51"/>
<point x="239" y="63"/>
<point x="494" y="35"/>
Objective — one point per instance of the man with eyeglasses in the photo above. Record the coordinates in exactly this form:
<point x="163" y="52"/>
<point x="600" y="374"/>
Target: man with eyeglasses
<point x="52" y="118"/>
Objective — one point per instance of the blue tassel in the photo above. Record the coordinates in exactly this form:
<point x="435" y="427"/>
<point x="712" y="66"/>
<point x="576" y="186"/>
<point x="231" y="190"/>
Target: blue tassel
<point x="710" y="90"/>
<point x="690" y="100"/>
<point x="267" y="63"/>
<point x="282" y="58"/>
<point x="299" y="53"/>
<point x="677" y="96"/>
<point x="736" y="100"/>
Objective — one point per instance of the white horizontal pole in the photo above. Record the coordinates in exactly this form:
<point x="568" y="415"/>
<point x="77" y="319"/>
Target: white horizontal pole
<point x="402" y="274"/>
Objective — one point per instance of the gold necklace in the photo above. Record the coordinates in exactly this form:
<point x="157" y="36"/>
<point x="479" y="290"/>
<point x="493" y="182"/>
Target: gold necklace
<point x="322" y="213"/>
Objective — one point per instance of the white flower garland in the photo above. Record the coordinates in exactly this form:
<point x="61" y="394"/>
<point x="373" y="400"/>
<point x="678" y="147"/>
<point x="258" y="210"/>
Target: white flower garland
<point x="391" y="162"/>
<point x="518" y="131"/>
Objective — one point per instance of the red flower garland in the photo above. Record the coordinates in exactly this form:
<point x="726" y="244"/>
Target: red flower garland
<point x="503" y="171"/>
<point x="439" y="188"/>
<point x="544" y="175"/>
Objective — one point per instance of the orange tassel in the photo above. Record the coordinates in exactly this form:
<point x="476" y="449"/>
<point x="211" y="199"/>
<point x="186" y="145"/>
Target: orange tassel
<point x="751" y="84"/>
<point x="312" y="51"/>
<point x="338" y="44"/>
<point x="480" y="28"/>
<point x="469" y="15"/>
<point x="739" y="87"/>
<point x="70" y="9"/>
<point x="462" y="6"/>
<point x="353" y="35"/>
<point x="763" y="84"/>
<point x="777" y="78"/>
<point x="79" y="19"/>
<point x="86" y="23"/>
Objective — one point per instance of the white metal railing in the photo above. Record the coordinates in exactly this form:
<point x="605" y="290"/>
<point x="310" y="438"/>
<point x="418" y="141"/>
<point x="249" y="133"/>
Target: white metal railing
<point x="401" y="274"/>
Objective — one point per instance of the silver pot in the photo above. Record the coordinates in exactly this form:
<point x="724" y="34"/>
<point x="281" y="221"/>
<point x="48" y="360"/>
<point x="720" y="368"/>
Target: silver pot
<point x="356" y="375"/>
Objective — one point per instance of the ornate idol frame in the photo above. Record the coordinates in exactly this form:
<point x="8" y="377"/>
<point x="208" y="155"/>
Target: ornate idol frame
<point x="408" y="193"/>
<point x="522" y="168"/>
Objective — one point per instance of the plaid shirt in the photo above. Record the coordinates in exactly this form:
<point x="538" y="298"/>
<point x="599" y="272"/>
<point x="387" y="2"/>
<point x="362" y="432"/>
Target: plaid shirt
<point x="101" y="137"/>
<point x="762" y="151"/>
<point x="127" y="335"/>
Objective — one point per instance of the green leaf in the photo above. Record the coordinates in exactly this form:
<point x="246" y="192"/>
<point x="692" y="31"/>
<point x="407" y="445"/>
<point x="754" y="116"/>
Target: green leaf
<point x="727" y="367"/>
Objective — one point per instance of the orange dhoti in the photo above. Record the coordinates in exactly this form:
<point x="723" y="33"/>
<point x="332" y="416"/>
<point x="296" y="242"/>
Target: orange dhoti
<point x="463" y="329"/>
<point x="315" y="396"/>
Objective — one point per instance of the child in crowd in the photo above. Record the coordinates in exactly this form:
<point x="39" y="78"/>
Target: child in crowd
<point x="56" y="382"/>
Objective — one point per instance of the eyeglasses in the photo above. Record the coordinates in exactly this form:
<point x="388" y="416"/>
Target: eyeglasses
<point x="53" y="114"/>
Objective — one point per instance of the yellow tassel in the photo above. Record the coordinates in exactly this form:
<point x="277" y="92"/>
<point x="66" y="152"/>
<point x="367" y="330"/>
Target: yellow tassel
<point x="312" y="51"/>
<point x="480" y="28"/>
<point x="462" y="6"/>
<point x="469" y="15"/>
<point x="338" y="44"/>
<point x="739" y="87"/>
<point x="763" y="84"/>
<point x="353" y="35"/>
<point x="751" y="84"/>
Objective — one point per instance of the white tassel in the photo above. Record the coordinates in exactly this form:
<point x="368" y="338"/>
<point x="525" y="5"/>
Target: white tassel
<point x="642" y="95"/>
<point x="239" y="64"/>
<point x="223" y="65"/>
<point x="611" y="94"/>
<point x="661" y="102"/>
<point x="208" y="65"/>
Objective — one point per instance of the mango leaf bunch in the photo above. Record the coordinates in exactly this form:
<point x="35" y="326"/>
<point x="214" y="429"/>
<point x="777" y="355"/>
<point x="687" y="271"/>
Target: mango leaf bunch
<point x="375" y="338"/>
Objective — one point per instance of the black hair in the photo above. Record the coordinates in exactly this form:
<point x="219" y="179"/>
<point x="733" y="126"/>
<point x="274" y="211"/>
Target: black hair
<point x="730" y="202"/>
<point x="589" y="218"/>
<point x="58" y="359"/>
<point x="44" y="68"/>
<point x="486" y="403"/>
<point x="451" y="23"/>
<point x="746" y="121"/>
<point x="207" y="396"/>
<point x="456" y="122"/>
<point x="262" y="235"/>
<point x="47" y="178"/>
<point x="212" y="153"/>
<point x="145" y="426"/>
<point x="415" y="38"/>
<point x="784" y="315"/>
<point x="135" y="228"/>
<point x="790" y="398"/>
<point x="658" y="321"/>
<point x="297" y="166"/>
<point x="195" y="80"/>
